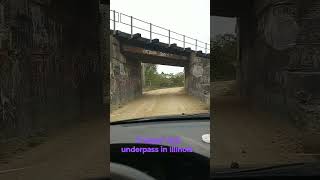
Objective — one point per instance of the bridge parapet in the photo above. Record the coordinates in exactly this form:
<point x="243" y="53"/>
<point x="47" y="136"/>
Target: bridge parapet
<point x="120" y="19"/>
<point x="137" y="41"/>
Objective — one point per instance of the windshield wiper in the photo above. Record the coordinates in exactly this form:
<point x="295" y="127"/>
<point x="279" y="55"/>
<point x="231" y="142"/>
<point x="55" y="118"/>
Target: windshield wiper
<point x="200" y="116"/>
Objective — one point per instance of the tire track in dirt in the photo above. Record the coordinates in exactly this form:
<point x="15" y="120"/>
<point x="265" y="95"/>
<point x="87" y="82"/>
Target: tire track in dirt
<point x="168" y="101"/>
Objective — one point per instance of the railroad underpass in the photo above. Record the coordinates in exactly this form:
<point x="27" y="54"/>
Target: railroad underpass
<point x="270" y="113"/>
<point x="126" y="85"/>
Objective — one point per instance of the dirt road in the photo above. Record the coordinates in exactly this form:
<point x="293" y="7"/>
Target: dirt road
<point x="169" y="101"/>
<point x="251" y="136"/>
<point x="74" y="153"/>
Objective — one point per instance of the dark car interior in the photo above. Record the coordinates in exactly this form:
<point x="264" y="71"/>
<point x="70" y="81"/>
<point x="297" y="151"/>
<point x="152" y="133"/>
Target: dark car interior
<point x="163" y="166"/>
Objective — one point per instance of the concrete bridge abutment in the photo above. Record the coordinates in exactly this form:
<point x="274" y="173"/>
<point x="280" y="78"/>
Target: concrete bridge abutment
<point x="126" y="72"/>
<point x="279" y="56"/>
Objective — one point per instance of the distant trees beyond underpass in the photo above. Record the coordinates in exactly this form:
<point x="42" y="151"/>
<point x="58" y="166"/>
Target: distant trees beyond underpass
<point x="155" y="80"/>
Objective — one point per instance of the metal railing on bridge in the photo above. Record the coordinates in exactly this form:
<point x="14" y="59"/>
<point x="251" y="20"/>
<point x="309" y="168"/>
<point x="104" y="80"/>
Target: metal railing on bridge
<point x="117" y="17"/>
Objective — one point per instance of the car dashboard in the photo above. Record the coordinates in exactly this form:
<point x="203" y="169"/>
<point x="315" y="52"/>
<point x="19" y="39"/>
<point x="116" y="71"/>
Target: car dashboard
<point x="164" y="165"/>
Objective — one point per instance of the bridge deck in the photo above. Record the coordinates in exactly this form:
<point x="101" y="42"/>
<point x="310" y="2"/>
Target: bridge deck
<point x="156" y="45"/>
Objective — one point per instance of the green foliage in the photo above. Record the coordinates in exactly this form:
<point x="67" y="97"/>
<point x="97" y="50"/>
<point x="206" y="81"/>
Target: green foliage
<point x="224" y="54"/>
<point x="154" y="80"/>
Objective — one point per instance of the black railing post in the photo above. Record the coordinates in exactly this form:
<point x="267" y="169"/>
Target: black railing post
<point x="131" y="26"/>
<point x="206" y="48"/>
<point x="150" y="32"/>
<point x="196" y="44"/>
<point x="169" y="37"/>
<point x="114" y="22"/>
<point x="184" y="42"/>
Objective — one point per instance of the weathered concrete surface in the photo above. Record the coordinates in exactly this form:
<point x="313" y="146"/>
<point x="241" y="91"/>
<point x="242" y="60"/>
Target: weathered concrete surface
<point x="127" y="55"/>
<point x="105" y="68"/>
<point x="198" y="78"/>
<point x="125" y="76"/>
<point x="155" y="56"/>
<point x="51" y="76"/>
<point x="49" y="65"/>
<point x="279" y="56"/>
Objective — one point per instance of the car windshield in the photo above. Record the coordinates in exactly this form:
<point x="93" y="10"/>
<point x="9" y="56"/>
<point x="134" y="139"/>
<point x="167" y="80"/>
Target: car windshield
<point x="264" y="115"/>
<point x="155" y="72"/>
<point x="157" y="90"/>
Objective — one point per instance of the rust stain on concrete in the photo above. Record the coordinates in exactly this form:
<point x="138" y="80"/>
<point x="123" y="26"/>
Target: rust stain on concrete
<point x="138" y="50"/>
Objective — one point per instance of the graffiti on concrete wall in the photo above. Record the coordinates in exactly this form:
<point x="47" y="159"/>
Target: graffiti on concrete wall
<point x="24" y="52"/>
<point x="197" y="70"/>
<point x="81" y="66"/>
<point x="39" y="31"/>
<point x="46" y="33"/>
<point x="40" y="68"/>
<point x="284" y="11"/>
<point x="3" y="29"/>
<point x="79" y="69"/>
<point x="306" y="57"/>
<point x="46" y="41"/>
<point x="278" y="26"/>
<point x="11" y="91"/>
<point x="4" y="6"/>
<point x="198" y="78"/>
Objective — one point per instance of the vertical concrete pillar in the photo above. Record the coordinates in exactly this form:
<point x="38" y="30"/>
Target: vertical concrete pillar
<point x="245" y="39"/>
<point x="186" y="71"/>
<point x="303" y="77"/>
<point x="238" y="67"/>
<point x="126" y="75"/>
<point x="143" y="69"/>
<point x="198" y="77"/>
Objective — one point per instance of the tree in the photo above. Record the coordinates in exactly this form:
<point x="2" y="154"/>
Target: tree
<point x="150" y="74"/>
<point x="224" y="54"/>
<point x="155" y="80"/>
<point x="178" y="79"/>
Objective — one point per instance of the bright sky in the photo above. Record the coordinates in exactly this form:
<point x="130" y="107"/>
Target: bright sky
<point x="169" y="69"/>
<point x="187" y="17"/>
